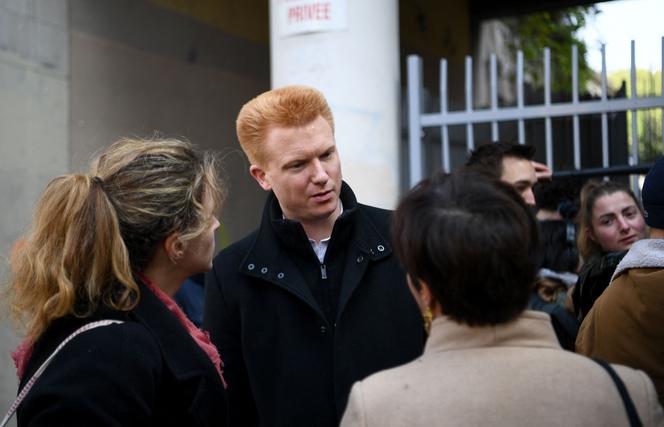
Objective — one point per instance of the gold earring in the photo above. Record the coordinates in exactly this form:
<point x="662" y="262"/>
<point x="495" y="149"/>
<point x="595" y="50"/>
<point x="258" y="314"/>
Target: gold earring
<point x="427" y="316"/>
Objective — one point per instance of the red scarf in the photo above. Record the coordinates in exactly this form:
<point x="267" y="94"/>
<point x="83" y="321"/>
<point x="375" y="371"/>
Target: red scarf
<point x="21" y="357"/>
<point x="23" y="352"/>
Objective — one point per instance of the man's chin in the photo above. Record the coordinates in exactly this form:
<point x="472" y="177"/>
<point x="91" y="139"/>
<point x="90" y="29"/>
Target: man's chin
<point x="325" y="211"/>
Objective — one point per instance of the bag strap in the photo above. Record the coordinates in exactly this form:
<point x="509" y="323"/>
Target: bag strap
<point x="40" y="370"/>
<point x="633" y="416"/>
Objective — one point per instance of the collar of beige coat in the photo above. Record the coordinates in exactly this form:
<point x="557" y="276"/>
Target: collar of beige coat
<point x="530" y="329"/>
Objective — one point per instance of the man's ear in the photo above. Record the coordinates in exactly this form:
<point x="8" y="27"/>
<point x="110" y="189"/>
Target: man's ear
<point x="260" y="176"/>
<point x="590" y="235"/>
<point x="174" y="247"/>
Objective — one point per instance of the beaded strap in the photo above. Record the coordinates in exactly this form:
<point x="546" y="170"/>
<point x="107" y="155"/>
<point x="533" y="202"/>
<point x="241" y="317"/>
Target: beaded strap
<point x="37" y="374"/>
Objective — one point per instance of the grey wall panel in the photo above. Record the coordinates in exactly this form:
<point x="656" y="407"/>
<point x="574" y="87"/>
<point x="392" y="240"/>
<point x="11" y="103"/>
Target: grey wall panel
<point x="130" y="75"/>
<point x="150" y="28"/>
<point x="34" y="107"/>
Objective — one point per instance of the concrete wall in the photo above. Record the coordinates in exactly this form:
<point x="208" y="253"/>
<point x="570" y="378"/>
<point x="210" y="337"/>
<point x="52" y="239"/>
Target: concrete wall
<point x="139" y="68"/>
<point x="34" y="105"/>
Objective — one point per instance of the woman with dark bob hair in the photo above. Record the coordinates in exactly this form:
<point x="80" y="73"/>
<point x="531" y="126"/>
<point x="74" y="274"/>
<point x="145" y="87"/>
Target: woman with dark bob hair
<point x="92" y="283"/>
<point x="470" y="247"/>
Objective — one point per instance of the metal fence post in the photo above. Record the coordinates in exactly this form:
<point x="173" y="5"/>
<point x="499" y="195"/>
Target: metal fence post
<point x="414" y="112"/>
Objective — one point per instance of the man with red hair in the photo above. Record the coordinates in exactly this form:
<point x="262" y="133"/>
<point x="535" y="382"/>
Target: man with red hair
<point x="313" y="300"/>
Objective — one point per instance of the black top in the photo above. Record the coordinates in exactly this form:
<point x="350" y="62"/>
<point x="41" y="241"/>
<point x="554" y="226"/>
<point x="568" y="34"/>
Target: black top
<point x="594" y="277"/>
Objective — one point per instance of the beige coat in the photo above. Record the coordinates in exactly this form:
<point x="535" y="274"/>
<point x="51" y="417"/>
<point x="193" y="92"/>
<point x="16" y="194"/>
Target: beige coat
<point x="509" y="375"/>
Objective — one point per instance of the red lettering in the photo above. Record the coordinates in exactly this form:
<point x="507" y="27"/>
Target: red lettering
<point x="293" y="14"/>
<point x="309" y="12"/>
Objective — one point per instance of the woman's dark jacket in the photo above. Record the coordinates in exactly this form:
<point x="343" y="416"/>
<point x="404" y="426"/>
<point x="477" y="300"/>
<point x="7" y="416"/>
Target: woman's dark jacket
<point x="147" y="371"/>
<point x="594" y="277"/>
<point x="295" y="334"/>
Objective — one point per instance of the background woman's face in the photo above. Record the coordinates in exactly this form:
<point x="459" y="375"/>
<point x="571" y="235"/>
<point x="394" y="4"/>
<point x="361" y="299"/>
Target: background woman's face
<point x="616" y="222"/>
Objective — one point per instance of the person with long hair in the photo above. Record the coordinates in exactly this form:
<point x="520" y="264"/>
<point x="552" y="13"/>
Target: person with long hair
<point x="111" y="247"/>
<point x="470" y="247"/>
<point x="610" y="222"/>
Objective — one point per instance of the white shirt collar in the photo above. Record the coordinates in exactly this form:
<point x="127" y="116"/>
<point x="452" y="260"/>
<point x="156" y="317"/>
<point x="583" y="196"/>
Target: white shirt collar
<point x="320" y="248"/>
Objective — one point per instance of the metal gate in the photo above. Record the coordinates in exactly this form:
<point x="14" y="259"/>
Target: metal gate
<point x="419" y="120"/>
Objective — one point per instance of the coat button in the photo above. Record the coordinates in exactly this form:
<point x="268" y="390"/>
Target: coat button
<point x="251" y="267"/>
<point x="359" y="259"/>
<point x="323" y="329"/>
<point x="280" y="275"/>
<point x="380" y="248"/>
<point x="264" y="270"/>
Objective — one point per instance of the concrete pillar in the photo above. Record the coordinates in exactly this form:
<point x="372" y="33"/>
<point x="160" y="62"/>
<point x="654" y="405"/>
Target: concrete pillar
<point x="355" y="63"/>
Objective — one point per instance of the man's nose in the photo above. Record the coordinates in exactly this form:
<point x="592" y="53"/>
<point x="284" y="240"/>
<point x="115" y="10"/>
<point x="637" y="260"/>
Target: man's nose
<point x="529" y="197"/>
<point x="319" y="174"/>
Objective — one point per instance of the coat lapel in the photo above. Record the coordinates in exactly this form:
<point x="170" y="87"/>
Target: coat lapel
<point x="268" y="262"/>
<point x="367" y="246"/>
<point x="197" y="380"/>
<point x="182" y="355"/>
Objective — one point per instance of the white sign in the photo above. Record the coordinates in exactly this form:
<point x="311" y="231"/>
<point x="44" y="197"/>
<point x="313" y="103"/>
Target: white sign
<point x="310" y="16"/>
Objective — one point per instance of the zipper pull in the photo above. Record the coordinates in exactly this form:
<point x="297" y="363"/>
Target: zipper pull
<point x="323" y="271"/>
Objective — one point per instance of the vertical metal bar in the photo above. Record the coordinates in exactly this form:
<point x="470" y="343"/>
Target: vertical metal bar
<point x="445" y="151"/>
<point x="414" y="112"/>
<point x="547" y="102"/>
<point x="575" y="101"/>
<point x="635" y="140"/>
<point x="470" y="144"/>
<point x="632" y="94"/>
<point x="662" y="94"/>
<point x="519" y="95"/>
<point x="605" y="119"/>
<point x="494" y="96"/>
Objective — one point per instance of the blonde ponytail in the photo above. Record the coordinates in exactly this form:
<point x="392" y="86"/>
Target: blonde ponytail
<point x="71" y="257"/>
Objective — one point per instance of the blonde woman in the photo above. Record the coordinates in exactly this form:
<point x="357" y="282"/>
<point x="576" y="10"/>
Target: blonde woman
<point x="115" y="244"/>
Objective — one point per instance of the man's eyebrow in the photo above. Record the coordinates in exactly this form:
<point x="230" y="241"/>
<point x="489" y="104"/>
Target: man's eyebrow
<point x="290" y="162"/>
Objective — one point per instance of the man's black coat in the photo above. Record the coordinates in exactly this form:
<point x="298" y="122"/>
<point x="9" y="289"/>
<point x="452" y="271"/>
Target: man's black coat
<point x="289" y="361"/>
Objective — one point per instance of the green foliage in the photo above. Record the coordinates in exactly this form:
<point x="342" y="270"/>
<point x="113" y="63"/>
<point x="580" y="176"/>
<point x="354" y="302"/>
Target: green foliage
<point x="556" y="30"/>
<point x="648" y="122"/>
